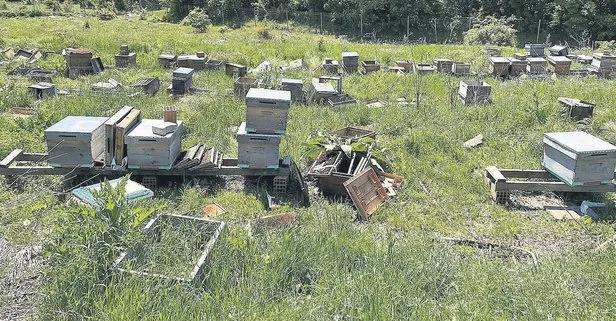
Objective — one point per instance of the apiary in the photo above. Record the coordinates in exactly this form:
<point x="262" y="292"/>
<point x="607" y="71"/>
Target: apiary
<point x="330" y="65"/>
<point x="499" y="66"/>
<point x="350" y="62"/>
<point x="443" y="65"/>
<point x="166" y="60"/>
<point x="517" y="67"/>
<point x="125" y="58"/>
<point x="535" y="49"/>
<point x="472" y="91"/>
<point x="267" y="110"/>
<point x="243" y="84"/>
<point x="296" y="87"/>
<point x="192" y="61"/>
<point x="461" y="68"/>
<point x="370" y="66"/>
<point x="76" y="141"/>
<point x="536" y="65"/>
<point x="146" y="149"/>
<point x="578" y="158"/>
<point x="257" y="150"/>
<point x="559" y="65"/>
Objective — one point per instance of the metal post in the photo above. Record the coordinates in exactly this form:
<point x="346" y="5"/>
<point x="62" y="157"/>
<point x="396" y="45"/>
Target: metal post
<point x="435" y="34"/>
<point x="538" y="29"/>
<point x="408" y="26"/>
<point x="361" y="25"/>
<point x="321" y="30"/>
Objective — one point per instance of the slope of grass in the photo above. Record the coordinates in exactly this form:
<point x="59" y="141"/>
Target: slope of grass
<point x="389" y="268"/>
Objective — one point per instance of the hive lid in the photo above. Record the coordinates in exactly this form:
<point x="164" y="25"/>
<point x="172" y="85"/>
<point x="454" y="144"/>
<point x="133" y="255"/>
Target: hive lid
<point x="270" y="94"/>
<point x="77" y="124"/>
<point x="183" y="71"/>
<point x="350" y="54"/>
<point x="144" y="128"/>
<point x="291" y="81"/>
<point x="580" y="142"/>
<point x="499" y="59"/>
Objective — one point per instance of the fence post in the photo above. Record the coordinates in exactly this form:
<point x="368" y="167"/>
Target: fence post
<point x="408" y="26"/>
<point x="361" y="26"/>
<point x="321" y="30"/>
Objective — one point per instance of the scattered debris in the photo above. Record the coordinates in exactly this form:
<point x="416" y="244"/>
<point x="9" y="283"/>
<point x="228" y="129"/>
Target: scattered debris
<point x="488" y="245"/>
<point x="603" y="246"/>
<point x="353" y="134"/>
<point x="402" y="101"/>
<point x="110" y="85"/>
<point x="133" y="191"/>
<point x="213" y="209"/>
<point x="473" y="142"/>
<point x="366" y="191"/>
<point x="22" y="112"/>
<point x="295" y="64"/>
<point x="263" y="67"/>
<point x="199" y="157"/>
<point x="277" y="221"/>
<point x="405" y="65"/>
<point x="576" y="109"/>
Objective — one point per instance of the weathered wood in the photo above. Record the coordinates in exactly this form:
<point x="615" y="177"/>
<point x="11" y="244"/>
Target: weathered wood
<point x="110" y="130"/>
<point x="10" y="158"/>
<point x="122" y="129"/>
<point x="495" y="174"/>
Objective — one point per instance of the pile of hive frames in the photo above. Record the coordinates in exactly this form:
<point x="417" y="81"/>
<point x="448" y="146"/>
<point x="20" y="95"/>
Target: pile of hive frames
<point x="370" y="66"/>
<point x="535" y="49"/>
<point x="196" y="62"/>
<point x="258" y="138"/>
<point x="154" y="143"/>
<point x="242" y="85"/>
<point x="125" y="58"/>
<point x="149" y="85"/>
<point x="517" y="66"/>
<point x="330" y="65"/>
<point x="296" y="87"/>
<point x="461" y="68"/>
<point x="350" y="62"/>
<point x="576" y="109"/>
<point x="42" y="90"/>
<point x="167" y="60"/>
<point x="199" y="157"/>
<point x="536" y="65"/>
<point x="499" y="66"/>
<point x="181" y="81"/>
<point x="443" y="65"/>
<point x="559" y="65"/>
<point x="116" y="127"/>
<point x="76" y="141"/>
<point x="472" y="91"/>
<point x="81" y="62"/>
<point x="602" y="64"/>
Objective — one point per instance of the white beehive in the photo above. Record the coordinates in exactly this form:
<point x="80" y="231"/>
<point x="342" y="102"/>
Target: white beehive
<point x="257" y="150"/>
<point x="76" y="141"/>
<point x="146" y="149"/>
<point x="267" y="110"/>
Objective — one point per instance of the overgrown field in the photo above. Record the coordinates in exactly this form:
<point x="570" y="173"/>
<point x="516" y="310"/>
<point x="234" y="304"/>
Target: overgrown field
<point x="394" y="266"/>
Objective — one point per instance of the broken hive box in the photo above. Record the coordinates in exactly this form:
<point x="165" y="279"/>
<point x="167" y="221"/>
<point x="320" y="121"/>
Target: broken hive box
<point x="472" y="91"/>
<point x="110" y="135"/>
<point x="370" y="66"/>
<point x="407" y="65"/>
<point x="173" y="247"/>
<point x="145" y="149"/>
<point x="167" y="60"/>
<point x="443" y="65"/>
<point x="499" y="66"/>
<point x="296" y="87"/>
<point x="578" y="158"/>
<point x="332" y="169"/>
<point x="242" y="85"/>
<point x="559" y="65"/>
<point x="76" y="141"/>
<point x="576" y="109"/>
<point x="257" y="150"/>
<point x="353" y="134"/>
<point x="267" y="110"/>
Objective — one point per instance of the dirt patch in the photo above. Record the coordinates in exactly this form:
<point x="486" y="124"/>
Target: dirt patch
<point x="534" y="202"/>
<point x="19" y="273"/>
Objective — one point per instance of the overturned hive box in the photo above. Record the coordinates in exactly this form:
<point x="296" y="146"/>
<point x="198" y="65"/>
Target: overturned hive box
<point x="461" y="68"/>
<point x="295" y="86"/>
<point x="576" y="109"/>
<point x="172" y="247"/>
<point x="499" y="66"/>
<point x="370" y="66"/>
<point x="536" y="65"/>
<point x="267" y="110"/>
<point x="167" y="60"/>
<point x="257" y="150"/>
<point x="559" y="65"/>
<point x="474" y="91"/>
<point x="443" y="65"/>
<point x="242" y="85"/>
<point x="578" y="158"/>
<point x="76" y="141"/>
<point x="147" y="150"/>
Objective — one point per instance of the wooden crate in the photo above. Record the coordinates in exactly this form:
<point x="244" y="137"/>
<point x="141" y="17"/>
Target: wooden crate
<point x="167" y="61"/>
<point x="123" y="61"/>
<point x="559" y="65"/>
<point x="370" y="66"/>
<point x="148" y="150"/>
<point x="443" y="65"/>
<point x="350" y="62"/>
<point x="296" y="87"/>
<point x="267" y="110"/>
<point x="517" y="67"/>
<point x="578" y="158"/>
<point x="192" y="62"/>
<point x="499" y="66"/>
<point x="330" y="65"/>
<point x="257" y="150"/>
<point x="472" y="91"/>
<point x="110" y="132"/>
<point x="242" y="85"/>
<point x="536" y="65"/>
<point x="76" y="141"/>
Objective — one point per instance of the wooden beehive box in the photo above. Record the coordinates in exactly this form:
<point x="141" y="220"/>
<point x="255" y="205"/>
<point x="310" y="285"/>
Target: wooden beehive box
<point x="443" y="65"/>
<point x="149" y="85"/>
<point x="242" y="85"/>
<point x="267" y="110"/>
<point x="125" y="58"/>
<point x="461" y="68"/>
<point x="296" y="87"/>
<point x="350" y="61"/>
<point x="181" y="81"/>
<point x="536" y="65"/>
<point x="257" y="150"/>
<point x="320" y="92"/>
<point x="76" y="141"/>
<point x="559" y="50"/>
<point x="330" y="65"/>
<point x="192" y="61"/>
<point x="333" y="168"/>
<point x="576" y="109"/>
<point x="559" y="65"/>
<point x="370" y="66"/>
<point x="578" y="158"/>
<point x="535" y="50"/>
<point x="604" y="61"/>
<point x="235" y="70"/>
<point x="499" y="66"/>
<point x="166" y="60"/>
<point x="517" y="67"/>
<point x="43" y="90"/>
<point x="474" y="91"/>
<point x="423" y="69"/>
<point x="145" y="149"/>
<point x="213" y="64"/>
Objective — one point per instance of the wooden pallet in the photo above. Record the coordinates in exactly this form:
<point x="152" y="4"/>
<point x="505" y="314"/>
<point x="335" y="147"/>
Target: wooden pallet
<point x="503" y="181"/>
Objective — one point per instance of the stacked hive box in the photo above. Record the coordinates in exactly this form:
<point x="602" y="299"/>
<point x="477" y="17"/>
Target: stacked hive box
<point x="76" y="141"/>
<point x="559" y="50"/>
<point x="125" y="58"/>
<point x="154" y="143"/>
<point x="196" y="62"/>
<point x="536" y="65"/>
<point x="535" y="50"/>
<point x="499" y="66"/>
<point x="559" y="65"/>
<point x="259" y="137"/>
<point x="181" y="82"/>
<point x="350" y="62"/>
<point x="443" y="65"/>
<point x="296" y="87"/>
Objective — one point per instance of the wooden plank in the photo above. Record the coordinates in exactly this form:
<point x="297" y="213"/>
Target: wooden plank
<point x="495" y="174"/>
<point x="526" y="173"/>
<point x="110" y="129"/>
<point x="556" y="187"/>
<point x="366" y="191"/>
<point x="122" y="128"/>
<point x="11" y="158"/>
<point x="33" y="157"/>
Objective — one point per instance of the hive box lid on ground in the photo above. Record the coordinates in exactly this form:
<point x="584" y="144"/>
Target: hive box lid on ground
<point x="578" y="158"/>
<point x="133" y="191"/>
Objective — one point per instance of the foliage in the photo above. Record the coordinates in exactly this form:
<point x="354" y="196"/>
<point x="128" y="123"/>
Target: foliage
<point x="198" y="19"/>
<point x="106" y="11"/>
<point x="3" y="5"/>
<point x="54" y="5"/>
<point x="491" y="31"/>
<point x="265" y="34"/>
<point x="326" y="142"/>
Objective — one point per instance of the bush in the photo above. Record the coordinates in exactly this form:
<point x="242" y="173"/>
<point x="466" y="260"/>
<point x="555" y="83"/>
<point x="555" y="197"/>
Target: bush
<point x="53" y="5"/>
<point x="198" y="19"/>
<point x="265" y="34"/>
<point x="106" y="11"/>
<point x="3" y="5"/>
<point x="491" y="31"/>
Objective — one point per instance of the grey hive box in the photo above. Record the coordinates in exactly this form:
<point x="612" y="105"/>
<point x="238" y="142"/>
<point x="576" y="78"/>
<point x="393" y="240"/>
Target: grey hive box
<point x="535" y="49"/>
<point x="267" y="110"/>
<point x="76" y="141"/>
<point x="578" y="158"/>
<point x="295" y="86"/>
<point x="148" y="150"/>
<point x="257" y="150"/>
<point x="474" y="91"/>
<point x="499" y="66"/>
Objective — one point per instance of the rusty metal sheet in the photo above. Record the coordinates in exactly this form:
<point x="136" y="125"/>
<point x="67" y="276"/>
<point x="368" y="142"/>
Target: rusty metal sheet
<point x="366" y="191"/>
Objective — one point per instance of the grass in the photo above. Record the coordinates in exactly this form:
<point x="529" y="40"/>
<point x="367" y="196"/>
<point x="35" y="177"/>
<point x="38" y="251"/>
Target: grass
<point x="392" y="267"/>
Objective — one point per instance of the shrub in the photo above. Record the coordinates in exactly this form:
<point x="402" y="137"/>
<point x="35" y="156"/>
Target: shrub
<point x="67" y="6"/>
<point x="491" y="31"/>
<point x="53" y="5"/>
<point x="106" y="11"/>
<point x="265" y="34"/>
<point x="3" y="5"/>
<point x="198" y="19"/>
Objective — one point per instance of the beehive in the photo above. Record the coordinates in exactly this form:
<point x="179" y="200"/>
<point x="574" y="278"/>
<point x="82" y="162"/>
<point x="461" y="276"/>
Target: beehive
<point x="350" y="61"/>
<point x="536" y="65"/>
<point x="499" y="66"/>
<point x="407" y="65"/>
<point x="267" y="110"/>
<point x="443" y="65"/>
<point x="370" y="66"/>
<point x="257" y="150"/>
<point x="330" y="65"/>
<point x="603" y="61"/>
<point x="461" y="68"/>
<point x="535" y="50"/>
<point x="578" y="158"/>
<point x="472" y="91"/>
<point x="295" y="86"/>
<point x="517" y="67"/>
<point x="125" y="58"/>
<point x="76" y="141"/>
<point x="192" y="61"/>
<point x="166" y="60"/>
<point x="145" y="149"/>
<point x="559" y="65"/>
<point x="181" y="81"/>
<point x="42" y="90"/>
<point x="242" y="85"/>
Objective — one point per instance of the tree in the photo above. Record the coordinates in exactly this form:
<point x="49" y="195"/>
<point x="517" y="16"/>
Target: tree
<point x="198" y="19"/>
<point x="491" y="31"/>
